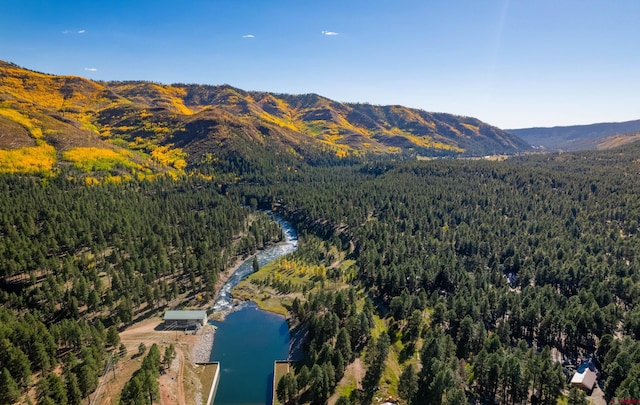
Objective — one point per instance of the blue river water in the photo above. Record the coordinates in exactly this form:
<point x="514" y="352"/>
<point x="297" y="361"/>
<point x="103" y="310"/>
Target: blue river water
<point x="249" y="340"/>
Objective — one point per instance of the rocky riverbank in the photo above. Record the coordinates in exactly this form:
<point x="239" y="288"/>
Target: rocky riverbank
<point x="201" y="352"/>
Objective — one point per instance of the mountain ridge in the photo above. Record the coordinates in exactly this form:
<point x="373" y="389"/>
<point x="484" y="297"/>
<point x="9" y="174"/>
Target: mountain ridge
<point x="602" y="135"/>
<point x="153" y="127"/>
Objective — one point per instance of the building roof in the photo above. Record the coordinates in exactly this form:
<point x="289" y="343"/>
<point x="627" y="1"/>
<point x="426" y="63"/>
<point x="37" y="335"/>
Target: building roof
<point x="586" y="379"/>
<point x="185" y="315"/>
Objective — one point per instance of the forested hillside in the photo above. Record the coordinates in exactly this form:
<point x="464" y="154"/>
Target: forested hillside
<point x="482" y="268"/>
<point x="510" y="260"/>
<point x="137" y="129"/>
<point x="80" y="262"/>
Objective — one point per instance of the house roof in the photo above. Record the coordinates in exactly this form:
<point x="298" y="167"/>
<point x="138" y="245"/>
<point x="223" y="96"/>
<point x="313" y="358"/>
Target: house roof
<point x="587" y="379"/>
<point x="185" y="315"/>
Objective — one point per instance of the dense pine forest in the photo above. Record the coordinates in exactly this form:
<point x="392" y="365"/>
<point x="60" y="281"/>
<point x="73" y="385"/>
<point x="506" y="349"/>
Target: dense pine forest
<point x="481" y="272"/>
<point x="80" y="262"/>
<point x="511" y="261"/>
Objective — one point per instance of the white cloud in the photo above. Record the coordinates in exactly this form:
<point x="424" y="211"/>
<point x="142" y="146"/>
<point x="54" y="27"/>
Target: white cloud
<point x="91" y="69"/>
<point x="248" y="36"/>
<point x="330" y="33"/>
<point x="79" y="32"/>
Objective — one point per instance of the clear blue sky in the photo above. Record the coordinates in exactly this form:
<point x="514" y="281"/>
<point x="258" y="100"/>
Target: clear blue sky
<point x="511" y="63"/>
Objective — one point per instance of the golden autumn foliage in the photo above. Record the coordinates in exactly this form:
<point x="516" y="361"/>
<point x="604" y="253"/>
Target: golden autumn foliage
<point x="293" y="270"/>
<point x="29" y="124"/>
<point x="428" y="142"/>
<point x="202" y="176"/>
<point x="279" y="121"/>
<point x="342" y="153"/>
<point x="98" y="159"/>
<point x="170" y="157"/>
<point x="472" y="128"/>
<point x="39" y="159"/>
<point x="155" y="95"/>
<point x="91" y="124"/>
<point x="73" y="96"/>
<point x="453" y="129"/>
<point x="117" y="179"/>
<point x="91" y="181"/>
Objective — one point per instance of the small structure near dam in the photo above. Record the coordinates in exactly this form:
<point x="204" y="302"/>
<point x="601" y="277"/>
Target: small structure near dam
<point x="185" y="319"/>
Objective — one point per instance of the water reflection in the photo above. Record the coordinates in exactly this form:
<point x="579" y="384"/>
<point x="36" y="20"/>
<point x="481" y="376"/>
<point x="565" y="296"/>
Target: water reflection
<point x="249" y="340"/>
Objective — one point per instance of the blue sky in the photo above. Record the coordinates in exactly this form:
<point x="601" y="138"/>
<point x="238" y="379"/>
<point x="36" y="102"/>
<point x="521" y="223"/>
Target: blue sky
<point x="511" y="63"/>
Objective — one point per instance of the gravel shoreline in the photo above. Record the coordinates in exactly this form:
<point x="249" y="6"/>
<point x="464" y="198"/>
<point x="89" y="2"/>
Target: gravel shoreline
<point x="202" y="349"/>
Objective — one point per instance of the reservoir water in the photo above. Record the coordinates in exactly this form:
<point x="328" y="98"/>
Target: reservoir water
<point x="249" y="340"/>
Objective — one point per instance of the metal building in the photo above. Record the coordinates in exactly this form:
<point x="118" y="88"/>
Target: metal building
<point x="185" y="319"/>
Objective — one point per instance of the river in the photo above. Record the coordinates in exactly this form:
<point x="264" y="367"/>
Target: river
<point x="249" y="340"/>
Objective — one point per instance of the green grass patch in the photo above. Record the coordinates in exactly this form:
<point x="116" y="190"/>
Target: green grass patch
<point x="265" y="300"/>
<point x="91" y="127"/>
<point x="314" y="128"/>
<point x="275" y="285"/>
<point x="391" y="374"/>
<point x="347" y="389"/>
<point x="280" y="369"/>
<point x="346" y="264"/>
<point x="379" y="326"/>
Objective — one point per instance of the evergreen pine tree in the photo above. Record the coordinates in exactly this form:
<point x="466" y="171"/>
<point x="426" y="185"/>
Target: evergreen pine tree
<point x="9" y="390"/>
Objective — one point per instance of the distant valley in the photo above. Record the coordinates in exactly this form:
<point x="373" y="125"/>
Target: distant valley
<point x="581" y="137"/>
